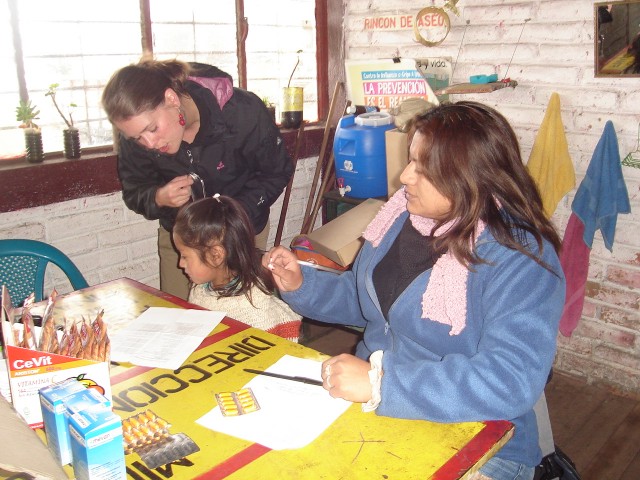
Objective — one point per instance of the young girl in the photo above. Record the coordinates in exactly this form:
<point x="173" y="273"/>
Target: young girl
<point x="217" y="252"/>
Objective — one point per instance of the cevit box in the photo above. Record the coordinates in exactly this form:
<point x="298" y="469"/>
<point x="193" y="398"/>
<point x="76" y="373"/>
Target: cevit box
<point x="97" y="444"/>
<point x="53" y="416"/>
<point x="31" y="370"/>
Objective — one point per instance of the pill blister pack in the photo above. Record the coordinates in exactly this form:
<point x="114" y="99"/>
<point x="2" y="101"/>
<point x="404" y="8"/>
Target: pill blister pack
<point x="237" y="403"/>
<point x="148" y="435"/>
<point x="143" y="429"/>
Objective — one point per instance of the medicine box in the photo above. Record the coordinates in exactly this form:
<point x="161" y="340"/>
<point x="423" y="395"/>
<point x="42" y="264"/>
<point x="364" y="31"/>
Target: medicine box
<point x="53" y="416"/>
<point x="97" y="444"/>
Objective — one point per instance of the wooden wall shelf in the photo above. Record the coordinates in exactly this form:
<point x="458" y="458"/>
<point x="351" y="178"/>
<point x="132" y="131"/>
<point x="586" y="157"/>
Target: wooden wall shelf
<point x="475" y="87"/>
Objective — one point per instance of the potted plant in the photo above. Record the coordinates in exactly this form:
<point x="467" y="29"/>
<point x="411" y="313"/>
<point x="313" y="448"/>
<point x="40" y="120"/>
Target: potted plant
<point x="71" y="133"/>
<point x="26" y="113"/>
<point x="270" y="106"/>
<point x="292" y="102"/>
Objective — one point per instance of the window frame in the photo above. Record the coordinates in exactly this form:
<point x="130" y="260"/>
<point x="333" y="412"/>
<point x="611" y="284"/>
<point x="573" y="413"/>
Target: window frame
<point x="146" y="37"/>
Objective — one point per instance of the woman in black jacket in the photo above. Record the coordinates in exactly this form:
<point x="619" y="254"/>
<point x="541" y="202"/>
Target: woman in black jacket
<point x="186" y="133"/>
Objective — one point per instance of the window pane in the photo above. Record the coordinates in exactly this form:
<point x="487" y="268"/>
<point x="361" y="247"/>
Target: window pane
<point x="199" y="31"/>
<point x="277" y="30"/>
<point x="11" y="137"/>
<point x="77" y="46"/>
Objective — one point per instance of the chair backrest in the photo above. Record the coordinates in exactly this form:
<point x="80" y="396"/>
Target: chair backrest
<point x="23" y="264"/>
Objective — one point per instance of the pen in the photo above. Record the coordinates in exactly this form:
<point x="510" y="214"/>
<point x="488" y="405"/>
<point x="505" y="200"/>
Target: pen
<point x="318" y="267"/>
<point x="309" y="381"/>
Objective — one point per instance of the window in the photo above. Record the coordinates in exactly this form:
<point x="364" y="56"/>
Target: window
<point x="77" y="45"/>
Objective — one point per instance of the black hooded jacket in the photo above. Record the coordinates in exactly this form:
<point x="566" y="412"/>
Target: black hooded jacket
<point x="238" y="152"/>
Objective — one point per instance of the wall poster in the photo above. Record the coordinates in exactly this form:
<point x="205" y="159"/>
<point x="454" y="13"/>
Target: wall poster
<point x="385" y="83"/>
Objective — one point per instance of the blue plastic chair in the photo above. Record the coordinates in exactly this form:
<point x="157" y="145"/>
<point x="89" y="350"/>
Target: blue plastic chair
<point x="23" y="264"/>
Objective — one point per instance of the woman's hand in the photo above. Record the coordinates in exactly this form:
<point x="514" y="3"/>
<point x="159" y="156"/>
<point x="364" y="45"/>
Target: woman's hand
<point x="285" y="268"/>
<point x="175" y="193"/>
<point x="346" y="376"/>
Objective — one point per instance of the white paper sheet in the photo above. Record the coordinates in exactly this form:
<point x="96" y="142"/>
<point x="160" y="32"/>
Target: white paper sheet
<point x="163" y="337"/>
<point x="291" y="415"/>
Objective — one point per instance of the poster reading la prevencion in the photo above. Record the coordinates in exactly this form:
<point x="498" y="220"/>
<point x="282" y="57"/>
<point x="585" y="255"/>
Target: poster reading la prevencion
<point x="385" y="83"/>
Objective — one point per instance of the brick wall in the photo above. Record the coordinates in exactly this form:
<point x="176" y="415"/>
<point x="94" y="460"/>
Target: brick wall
<point x="106" y="240"/>
<point x="555" y="54"/>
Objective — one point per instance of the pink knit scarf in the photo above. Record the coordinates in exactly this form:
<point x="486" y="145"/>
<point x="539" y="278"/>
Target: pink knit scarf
<point x="445" y="299"/>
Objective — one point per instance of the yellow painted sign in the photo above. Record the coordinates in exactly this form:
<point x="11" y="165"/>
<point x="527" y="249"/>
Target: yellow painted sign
<point x="356" y="446"/>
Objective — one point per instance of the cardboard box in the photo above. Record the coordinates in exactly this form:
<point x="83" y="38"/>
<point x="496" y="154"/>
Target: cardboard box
<point x="340" y="239"/>
<point x="397" y="148"/>
<point x="97" y="444"/>
<point x="31" y="370"/>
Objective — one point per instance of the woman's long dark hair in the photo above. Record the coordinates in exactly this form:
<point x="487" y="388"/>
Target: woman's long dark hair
<point x="223" y="221"/>
<point x="471" y="155"/>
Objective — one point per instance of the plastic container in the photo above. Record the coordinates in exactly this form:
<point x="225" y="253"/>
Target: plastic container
<point x="360" y="155"/>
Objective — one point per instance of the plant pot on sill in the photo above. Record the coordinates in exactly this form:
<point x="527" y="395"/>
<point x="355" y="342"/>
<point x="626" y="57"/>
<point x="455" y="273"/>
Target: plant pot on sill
<point x="291" y="107"/>
<point x="33" y="144"/>
<point x="71" y="143"/>
<point x="272" y="111"/>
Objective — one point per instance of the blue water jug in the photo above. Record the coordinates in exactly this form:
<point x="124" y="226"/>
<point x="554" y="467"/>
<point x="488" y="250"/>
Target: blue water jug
<point x="360" y="154"/>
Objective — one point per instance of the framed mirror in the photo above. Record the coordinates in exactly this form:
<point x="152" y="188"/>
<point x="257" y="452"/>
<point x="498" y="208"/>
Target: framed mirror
<point x="617" y="38"/>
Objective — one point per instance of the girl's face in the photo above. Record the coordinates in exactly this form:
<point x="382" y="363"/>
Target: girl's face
<point x="198" y="271"/>
<point x="157" y="129"/>
<point x="422" y="197"/>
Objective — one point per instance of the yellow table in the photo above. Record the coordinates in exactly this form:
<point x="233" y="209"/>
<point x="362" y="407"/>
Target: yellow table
<point x="356" y="446"/>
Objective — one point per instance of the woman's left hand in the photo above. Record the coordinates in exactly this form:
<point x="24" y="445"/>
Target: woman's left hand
<point x="347" y="376"/>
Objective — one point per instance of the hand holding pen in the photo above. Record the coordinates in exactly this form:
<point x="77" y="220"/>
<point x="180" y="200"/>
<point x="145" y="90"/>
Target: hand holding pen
<point x="283" y="263"/>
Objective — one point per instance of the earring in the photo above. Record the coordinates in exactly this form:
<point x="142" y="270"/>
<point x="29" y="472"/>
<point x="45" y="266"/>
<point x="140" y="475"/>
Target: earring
<point x="181" y="119"/>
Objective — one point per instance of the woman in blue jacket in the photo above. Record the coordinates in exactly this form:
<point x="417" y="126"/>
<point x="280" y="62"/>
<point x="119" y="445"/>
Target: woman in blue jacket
<point x="458" y="287"/>
<point x="186" y="132"/>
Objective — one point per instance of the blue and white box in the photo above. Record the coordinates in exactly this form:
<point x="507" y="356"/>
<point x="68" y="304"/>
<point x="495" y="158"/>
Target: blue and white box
<point x="53" y="416"/>
<point x="97" y="444"/>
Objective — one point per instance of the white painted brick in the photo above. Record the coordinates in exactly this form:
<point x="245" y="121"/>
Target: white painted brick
<point x="575" y="10"/>
<point x="577" y="54"/>
<point x="513" y="14"/>
<point x="70" y="225"/>
<point x="127" y="234"/>
<point x="144" y="248"/>
<point x="133" y="269"/>
<point x="131" y="217"/>
<point x="34" y="231"/>
<point x="82" y="243"/>
<point x="499" y="54"/>
<point x="101" y="200"/>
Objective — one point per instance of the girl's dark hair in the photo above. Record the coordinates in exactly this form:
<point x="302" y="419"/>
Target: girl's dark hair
<point x="471" y="155"/>
<point x="141" y="87"/>
<point x="223" y="221"/>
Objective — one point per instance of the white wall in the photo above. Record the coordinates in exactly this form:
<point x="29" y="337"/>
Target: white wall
<point x="555" y="54"/>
